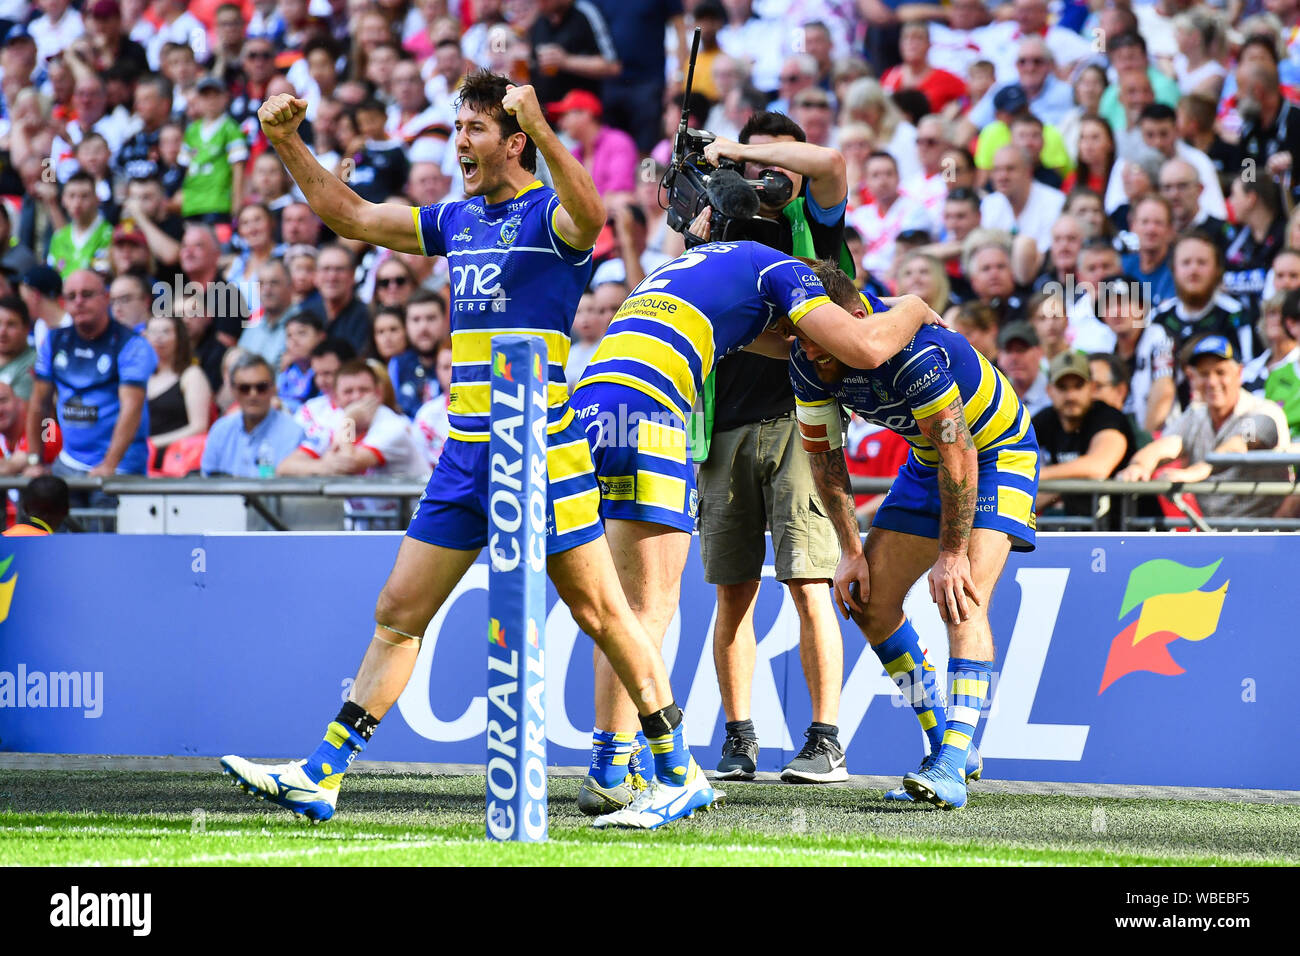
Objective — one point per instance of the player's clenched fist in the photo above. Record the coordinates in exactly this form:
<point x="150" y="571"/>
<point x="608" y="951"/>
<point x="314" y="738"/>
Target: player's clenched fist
<point x="521" y="102"/>
<point x="281" y="115"/>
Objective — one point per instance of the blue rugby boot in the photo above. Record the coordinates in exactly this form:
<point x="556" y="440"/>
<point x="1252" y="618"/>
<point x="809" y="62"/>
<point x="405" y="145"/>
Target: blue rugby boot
<point x="937" y="784"/>
<point x="610" y="783"/>
<point x="662" y="803"/>
<point x="974" y="770"/>
<point x="286" y="785"/>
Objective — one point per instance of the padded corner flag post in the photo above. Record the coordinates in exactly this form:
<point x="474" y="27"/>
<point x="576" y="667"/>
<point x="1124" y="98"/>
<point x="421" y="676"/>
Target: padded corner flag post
<point x="516" y="719"/>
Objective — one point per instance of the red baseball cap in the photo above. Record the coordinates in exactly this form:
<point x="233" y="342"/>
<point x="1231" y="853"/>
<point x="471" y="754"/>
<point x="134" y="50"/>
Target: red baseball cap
<point x="577" y="100"/>
<point x="128" y="232"/>
<point x="106" y="10"/>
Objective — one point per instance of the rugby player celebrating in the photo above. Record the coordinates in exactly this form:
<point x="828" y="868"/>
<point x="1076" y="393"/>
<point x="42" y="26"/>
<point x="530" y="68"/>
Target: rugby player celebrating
<point x="637" y="392"/>
<point x="520" y="256"/>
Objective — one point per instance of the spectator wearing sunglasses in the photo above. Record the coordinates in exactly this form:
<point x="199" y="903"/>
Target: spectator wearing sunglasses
<point x="394" y="285"/>
<point x="253" y="442"/>
<point x="1048" y="98"/>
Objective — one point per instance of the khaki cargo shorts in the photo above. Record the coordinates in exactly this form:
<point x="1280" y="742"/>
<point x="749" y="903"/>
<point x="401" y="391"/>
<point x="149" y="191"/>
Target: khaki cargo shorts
<point x="757" y="477"/>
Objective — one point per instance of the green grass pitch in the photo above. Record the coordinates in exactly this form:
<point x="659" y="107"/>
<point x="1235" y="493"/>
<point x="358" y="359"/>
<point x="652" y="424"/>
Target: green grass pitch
<point x="145" y="818"/>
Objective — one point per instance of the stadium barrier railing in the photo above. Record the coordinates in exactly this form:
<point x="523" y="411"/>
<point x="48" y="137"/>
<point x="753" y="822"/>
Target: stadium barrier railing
<point x="1113" y="506"/>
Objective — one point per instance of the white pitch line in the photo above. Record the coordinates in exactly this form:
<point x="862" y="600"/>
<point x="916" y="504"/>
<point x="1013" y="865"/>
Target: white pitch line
<point x="413" y="844"/>
<point x="341" y="850"/>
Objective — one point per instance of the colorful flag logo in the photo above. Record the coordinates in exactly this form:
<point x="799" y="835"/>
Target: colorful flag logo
<point x="496" y="633"/>
<point x="537" y="367"/>
<point x="6" y="587"/>
<point x="532" y="632"/>
<point x="1173" y="606"/>
<point x="501" y="367"/>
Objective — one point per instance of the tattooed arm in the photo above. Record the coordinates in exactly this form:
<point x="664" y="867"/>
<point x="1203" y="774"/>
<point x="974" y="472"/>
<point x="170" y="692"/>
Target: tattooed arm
<point x="950" y="578"/>
<point x="831" y="476"/>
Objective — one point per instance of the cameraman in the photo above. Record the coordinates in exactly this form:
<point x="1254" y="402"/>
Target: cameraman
<point x="756" y="476"/>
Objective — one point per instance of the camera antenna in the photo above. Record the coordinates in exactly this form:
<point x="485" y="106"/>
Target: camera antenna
<point x="690" y="82"/>
<point x="680" y="141"/>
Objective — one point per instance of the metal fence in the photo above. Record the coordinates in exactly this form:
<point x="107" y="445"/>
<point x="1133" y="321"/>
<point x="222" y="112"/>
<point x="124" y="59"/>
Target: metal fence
<point x="276" y="504"/>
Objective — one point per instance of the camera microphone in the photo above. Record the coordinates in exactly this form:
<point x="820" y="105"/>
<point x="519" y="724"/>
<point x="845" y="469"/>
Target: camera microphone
<point x="732" y="195"/>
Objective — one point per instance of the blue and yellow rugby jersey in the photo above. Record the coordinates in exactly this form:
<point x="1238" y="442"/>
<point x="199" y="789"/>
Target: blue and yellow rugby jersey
<point x="933" y="369"/>
<point x="511" y="272"/>
<point x="688" y="313"/>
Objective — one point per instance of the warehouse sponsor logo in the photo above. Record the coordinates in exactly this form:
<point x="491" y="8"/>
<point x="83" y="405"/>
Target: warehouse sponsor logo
<point x="77" y="909"/>
<point x="1172" y="607"/>
<point x="74" y="690"/>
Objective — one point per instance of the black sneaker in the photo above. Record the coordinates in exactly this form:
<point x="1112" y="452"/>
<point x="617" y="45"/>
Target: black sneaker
<point x="739" y="758"/>
<point x="820" y="761"/>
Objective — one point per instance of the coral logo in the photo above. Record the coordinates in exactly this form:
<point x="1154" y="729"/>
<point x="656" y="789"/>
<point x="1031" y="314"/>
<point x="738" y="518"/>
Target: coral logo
<point x="1173" y="606"/>
<point x="496" y="633"/>
<point x="6" y="587"/>
<point x="502" y="367"/>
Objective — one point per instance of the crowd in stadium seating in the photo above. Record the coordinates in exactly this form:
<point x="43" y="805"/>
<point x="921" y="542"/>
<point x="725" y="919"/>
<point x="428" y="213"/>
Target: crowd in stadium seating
<point x="1099" y="195"/>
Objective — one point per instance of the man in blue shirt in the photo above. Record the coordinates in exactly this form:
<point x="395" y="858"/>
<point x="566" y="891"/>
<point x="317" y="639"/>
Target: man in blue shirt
<point x="96" y="370"/>
<point x="252" y="443"/>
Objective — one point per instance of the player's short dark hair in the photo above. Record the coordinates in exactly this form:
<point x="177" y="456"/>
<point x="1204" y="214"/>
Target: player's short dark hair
<point x="80" y="176"/>
<point x="1158" y="112"/>
<point x="838" y="285"/>
<point x="16" y="305"/>
<point x="482" y="91"/>
<point x="765" y="123"/>
<point x="356" y="366"/>
<point x="1026" y="118"/>
<point x="369" y="105"/>
<point x="46" y="497"/>
<point x="340" y="348"/>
